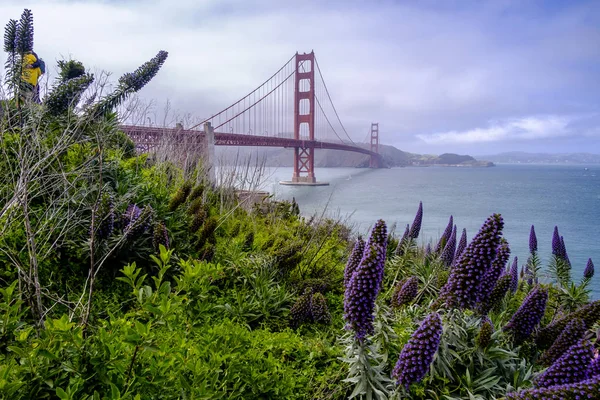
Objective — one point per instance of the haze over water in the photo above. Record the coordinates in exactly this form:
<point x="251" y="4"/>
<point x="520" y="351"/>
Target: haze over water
<point x="542" y="195"/>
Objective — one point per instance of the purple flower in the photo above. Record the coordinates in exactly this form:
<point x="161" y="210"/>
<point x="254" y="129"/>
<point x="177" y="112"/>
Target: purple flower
<point x="572" y="333"/>
<point x="354" y="259"/>
<point x="528" y="316"/>
<point x="416" y="356"/>
<point x="484" y="337"/>
<point x="556" y="242"/>
<point x="497" y="295"/>
<point x="130" y="215"/>
<point x="533" y="245"/>
<point x="588" y="273"/>
<point x="462" y="245"/>
<point x="589" y="313"/>
<point x="594" y="367"/>
<point x="563" y="251"/>
<point x="139" y="220"/>
<point x="491" y="275"/>
<point x="571" y="367"/>
<point x="514" y="274"/>
<point x="445" y="236"/>
<point x="400" y="248"/>
<point x="415" y="228"/>
<point x="428" y="250"/>
<point x="461" y="288"/>
<point x="448" y="253"/>
<point x="365" y="283"/>
<point x="406" y="292"/>
<point x="587" y="389"/>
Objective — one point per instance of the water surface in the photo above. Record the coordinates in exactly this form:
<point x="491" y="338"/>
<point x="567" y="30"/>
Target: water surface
<point x="542" y="195"/>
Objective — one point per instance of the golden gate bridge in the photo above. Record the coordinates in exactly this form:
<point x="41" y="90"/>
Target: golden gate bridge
<point x="291" y="109"/>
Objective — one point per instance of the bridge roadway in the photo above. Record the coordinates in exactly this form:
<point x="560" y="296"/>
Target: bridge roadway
<point x="148" y="137"/>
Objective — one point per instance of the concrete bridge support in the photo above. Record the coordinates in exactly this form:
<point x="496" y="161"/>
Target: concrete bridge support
<point x="208" y="153"/>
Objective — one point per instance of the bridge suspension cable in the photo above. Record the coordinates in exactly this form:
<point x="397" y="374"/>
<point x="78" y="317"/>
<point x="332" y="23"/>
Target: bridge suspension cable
<point x="269" y="110"/>
<point x="243" y="99"/>
<point x="331" y="101"/>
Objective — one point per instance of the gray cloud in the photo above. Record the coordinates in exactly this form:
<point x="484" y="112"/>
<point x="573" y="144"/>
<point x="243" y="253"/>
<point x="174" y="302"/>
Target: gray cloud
<point x="437" y="76"/>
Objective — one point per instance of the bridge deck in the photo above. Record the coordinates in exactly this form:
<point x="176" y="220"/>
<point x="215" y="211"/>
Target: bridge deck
<point x="148" y="137"/>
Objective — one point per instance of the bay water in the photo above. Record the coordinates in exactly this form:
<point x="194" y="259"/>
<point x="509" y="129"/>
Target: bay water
<point x="567" y="196"/>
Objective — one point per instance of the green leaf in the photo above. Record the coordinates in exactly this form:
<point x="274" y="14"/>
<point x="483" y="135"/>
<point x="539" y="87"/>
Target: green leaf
<point x="62" y="394"/>
<point x="114" y="392"/>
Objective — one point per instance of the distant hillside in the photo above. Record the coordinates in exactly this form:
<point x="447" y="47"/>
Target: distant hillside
<point x="519" y="157"/>
<point x="392" y="156"/>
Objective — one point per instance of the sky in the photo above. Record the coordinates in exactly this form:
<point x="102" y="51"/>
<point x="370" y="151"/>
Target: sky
<point x="470" y="77"/>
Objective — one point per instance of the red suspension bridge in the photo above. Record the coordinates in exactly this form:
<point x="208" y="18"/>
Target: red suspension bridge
<point x="291" y="109"/>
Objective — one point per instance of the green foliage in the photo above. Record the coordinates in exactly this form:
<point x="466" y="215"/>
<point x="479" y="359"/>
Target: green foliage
<point x="68" y="70"/>
<point x="67" y="94"/>
<point x="195" y="298"/>
<point x="129" y="84"/>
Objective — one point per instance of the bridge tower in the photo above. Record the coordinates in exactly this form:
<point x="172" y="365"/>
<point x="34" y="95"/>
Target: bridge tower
<point x="374" y="163"/>
<point x="304" y="118"/>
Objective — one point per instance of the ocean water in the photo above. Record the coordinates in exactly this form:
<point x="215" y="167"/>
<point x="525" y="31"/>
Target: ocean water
<point x="525" y="195"/>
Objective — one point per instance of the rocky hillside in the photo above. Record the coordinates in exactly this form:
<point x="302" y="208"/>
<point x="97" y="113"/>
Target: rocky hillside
<point x="392" y="156"/>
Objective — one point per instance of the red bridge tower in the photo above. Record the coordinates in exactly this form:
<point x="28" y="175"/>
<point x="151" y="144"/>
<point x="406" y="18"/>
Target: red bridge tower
<point x="304" y="118"/>
<point x="374" y="163"/>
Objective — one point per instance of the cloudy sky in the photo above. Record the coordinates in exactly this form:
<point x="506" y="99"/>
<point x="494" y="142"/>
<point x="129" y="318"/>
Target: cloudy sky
<point x="475" y="77"/>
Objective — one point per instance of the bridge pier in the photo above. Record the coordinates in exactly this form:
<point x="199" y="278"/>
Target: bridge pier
<point x="209" y="152"/>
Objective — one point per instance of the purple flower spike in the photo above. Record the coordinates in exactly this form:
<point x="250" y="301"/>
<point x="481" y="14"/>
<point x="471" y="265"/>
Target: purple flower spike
<point x="563" y="251"/>
<point x="594" y="367"/>
<point x="528" y="316"/>
<point x="354" y="259"/>
<point x="445" y="236"/>
<point x="572" y="333"/>
<point x="514" y="274"/>
<point x="131" y="215"/>
<point x="556" y="242"/>
<point x="462" y="245"/>
<point x="365" y="283"/>
<point x="139" y="220"/>
<point x="589" y="313"/>
<point x="490" y="277"/>
<point x="589" y="270"/>
<point x="428" y="250"/>
<point x="406" y="293"/>
<point x="449" y="250"/>
<point x="571" y="367"/>
<point x="415" y="228"/>
<point x="533" y="245"/>
<point x="587" y="389"/>
<point x="461" y="289"/>
<point x="400" y="248"/>
<point x="417" y="354"/>
<point x="497" y="295"/>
